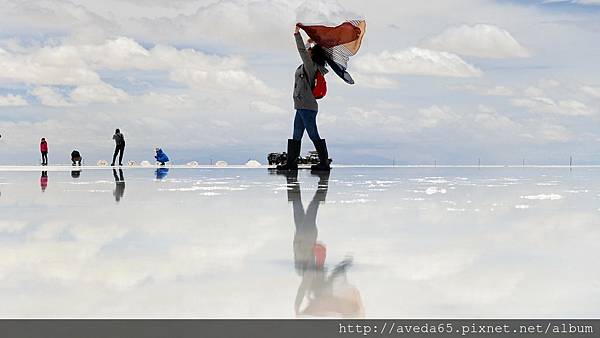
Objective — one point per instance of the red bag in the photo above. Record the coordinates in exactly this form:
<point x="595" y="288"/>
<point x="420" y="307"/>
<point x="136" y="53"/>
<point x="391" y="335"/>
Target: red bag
<point x="320" y="88"/>
<point x="320" y="252"/>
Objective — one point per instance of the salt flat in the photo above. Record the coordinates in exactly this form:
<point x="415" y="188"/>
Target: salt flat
<point x="247" y="243"/>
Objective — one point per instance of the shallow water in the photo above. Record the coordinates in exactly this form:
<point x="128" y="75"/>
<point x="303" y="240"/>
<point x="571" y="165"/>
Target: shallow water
<point x="374" y="242"/>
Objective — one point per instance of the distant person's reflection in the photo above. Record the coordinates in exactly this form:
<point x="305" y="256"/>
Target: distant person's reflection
<point x="320" y="293"/>
<point x="44" y="181"/>
<point x="161" y="173"/>
<point x="119" y="185"/>
<point x="75" y="173"/>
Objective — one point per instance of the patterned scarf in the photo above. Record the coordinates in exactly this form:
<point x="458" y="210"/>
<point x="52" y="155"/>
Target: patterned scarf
<point x="339" y="42"/>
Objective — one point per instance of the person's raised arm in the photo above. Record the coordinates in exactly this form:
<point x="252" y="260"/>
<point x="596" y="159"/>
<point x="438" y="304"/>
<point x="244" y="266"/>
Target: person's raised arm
<point x="306" y="60"/>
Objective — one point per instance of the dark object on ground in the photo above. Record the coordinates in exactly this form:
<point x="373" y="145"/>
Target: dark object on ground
<point x="75" y="173"/>
<point x="76" y="157"/>
<point x="277" y="158"/>
<point x="281" y="158"/>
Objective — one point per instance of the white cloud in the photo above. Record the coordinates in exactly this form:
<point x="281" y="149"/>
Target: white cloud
<point x="435" y="115"/>
<point x="533" y="91"/>
<point x="49" y="96"/>
<point x="12" y="101"/>
<point x="553" y="133"/>
<point x="79" y="64"/>
<point x="98" y="93"/>
<point x="323" y="12"/>
<point x="265" y="23"/>
<point x="38" y="68"/>
<point x="416" y="61"/>
<point x="591" y="91"/>
<point x="480" y="40"/>
<point x="489" y="119"/>
<point x="547" y="105"/>
<point x="266" y="107"/>
<point x="375" y="81"/>
<point x="485" y="91"/>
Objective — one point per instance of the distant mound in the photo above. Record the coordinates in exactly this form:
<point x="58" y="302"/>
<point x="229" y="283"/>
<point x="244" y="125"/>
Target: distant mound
<point x="253" y="164"/>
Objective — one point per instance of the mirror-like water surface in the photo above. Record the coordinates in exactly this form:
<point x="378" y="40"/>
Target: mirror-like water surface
<point x="373" y="242"/>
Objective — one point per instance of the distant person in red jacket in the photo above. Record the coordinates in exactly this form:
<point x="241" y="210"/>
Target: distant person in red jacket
<point x="44" y="151"/>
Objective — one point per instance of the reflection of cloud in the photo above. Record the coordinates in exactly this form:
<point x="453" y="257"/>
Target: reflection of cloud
<point x="161" y="253"/>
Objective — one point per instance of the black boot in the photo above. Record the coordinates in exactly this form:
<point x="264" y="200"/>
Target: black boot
<point x="293" y="151"/>
<point x="323" y="164"/>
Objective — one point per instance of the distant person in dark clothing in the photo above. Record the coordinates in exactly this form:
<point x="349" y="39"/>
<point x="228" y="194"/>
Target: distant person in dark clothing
<point x="44" y="151"/>
<point x="119" y="185"/>
<point x="119" y="147"/>
<point x="76" y="157"/>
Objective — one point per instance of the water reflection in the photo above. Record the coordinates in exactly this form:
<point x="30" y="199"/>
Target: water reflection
<point x="119" y="184"/>
<point x="161" y="173"/>
<point x="44" y="181"/>
<point x="320" y="293"/>
<point x="75" y="173"/>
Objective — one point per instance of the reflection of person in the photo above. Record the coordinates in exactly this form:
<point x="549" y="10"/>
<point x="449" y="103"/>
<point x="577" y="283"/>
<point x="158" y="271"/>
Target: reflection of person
<point x="75" y="173"/>
<point x="119" y="185"/>
<point x="161" y="173"/>
<point x="44" y="181"/>
<point x="119" y="146"/>
<point x="76" y="157"/>
<point x="319" y="293"/>
<point x="44" y="151"/>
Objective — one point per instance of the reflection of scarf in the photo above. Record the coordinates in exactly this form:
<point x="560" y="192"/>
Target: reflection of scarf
<point x="339" y="42"/>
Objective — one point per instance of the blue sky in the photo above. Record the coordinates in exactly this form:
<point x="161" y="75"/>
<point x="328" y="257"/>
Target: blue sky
<point x="449" y="81"/>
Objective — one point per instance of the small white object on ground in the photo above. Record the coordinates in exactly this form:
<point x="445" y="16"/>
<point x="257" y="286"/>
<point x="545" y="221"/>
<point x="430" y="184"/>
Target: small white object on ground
<point x="132" y="163"/>
<point x="102" y="163"/>
<point x="253" y="164"/>
<point x="145" y="164"/>
<point x="221" y="164"/>
<point x="192" y="164"/>
<point x="551" y="197"/>
<point x="435" y="190"/>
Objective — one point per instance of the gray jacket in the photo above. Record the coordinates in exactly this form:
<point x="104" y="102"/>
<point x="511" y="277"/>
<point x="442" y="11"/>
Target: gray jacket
<point x="304" y="79"/>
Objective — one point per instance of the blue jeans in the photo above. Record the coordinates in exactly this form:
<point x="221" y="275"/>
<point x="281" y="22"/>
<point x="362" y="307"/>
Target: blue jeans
<point x="306" y="119"/>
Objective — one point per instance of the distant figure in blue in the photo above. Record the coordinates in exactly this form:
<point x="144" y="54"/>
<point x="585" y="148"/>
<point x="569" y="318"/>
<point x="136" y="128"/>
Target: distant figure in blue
<point x="160" y="156"/>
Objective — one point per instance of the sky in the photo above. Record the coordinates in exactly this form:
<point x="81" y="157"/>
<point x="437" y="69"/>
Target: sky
<point x="449" y="82"/>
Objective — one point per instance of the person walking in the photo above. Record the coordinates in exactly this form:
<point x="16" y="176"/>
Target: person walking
<point x="44" y="151"/>
<point x="305" y="103"/>
<point x="119" y="147"/>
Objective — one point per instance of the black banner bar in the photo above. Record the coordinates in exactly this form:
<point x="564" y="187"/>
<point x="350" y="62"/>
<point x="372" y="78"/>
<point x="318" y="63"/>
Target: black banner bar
<point x="314" y="328"/>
